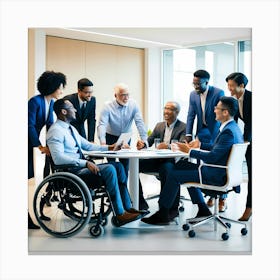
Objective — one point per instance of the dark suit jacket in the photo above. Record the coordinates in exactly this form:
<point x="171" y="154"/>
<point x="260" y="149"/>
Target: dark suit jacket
<point x="36" y="121"/>
<point x="247" y="115"/>
<point x="213" y="97"/>
<point x="218" y="153"/>
<point x="89" y="115"/>
<point x="178" y="132"/>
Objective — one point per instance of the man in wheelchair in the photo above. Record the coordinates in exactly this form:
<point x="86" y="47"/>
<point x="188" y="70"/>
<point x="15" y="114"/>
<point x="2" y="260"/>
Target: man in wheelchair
<point x="66" y="147"/>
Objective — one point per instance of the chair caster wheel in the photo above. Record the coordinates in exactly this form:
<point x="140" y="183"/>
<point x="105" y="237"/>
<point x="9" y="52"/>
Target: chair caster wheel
<point x="225" y="236"/>
<point x="191" y="233"/>
<point x="228" y="225"/>
<point x="185" y="227"/>
<point x="244" y="231"/>
<point x="181" y="209"/>
<point x="96" y="231"/>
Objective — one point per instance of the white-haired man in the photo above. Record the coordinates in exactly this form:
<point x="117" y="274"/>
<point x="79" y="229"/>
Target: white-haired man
<point x="117" y="117"/>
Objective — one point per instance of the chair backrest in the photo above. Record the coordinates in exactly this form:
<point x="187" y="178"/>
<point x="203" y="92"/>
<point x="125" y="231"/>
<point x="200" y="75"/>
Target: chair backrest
<point x="234" y="170"/>
<point x="235" y="164"/>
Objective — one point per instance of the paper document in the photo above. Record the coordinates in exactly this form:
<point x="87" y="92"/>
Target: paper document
<point x="124" y="138"/>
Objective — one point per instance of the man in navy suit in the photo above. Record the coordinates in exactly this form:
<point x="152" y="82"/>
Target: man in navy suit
<point x="184" y="171"/>
<point x="236" y="85"/>
<point x="201" y="106"/>
<point x="85" y="105"/>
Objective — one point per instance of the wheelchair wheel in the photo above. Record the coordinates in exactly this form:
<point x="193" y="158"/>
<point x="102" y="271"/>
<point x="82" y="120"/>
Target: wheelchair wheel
<point x="70" y="204"/>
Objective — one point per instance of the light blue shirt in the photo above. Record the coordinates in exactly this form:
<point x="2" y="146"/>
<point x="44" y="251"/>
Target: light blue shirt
<point x="63" y="146"/>
<point x="116" y="119"/>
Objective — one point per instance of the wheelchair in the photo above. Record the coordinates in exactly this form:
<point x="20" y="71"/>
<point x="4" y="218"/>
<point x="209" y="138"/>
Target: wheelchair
<point x="63" y="204"/>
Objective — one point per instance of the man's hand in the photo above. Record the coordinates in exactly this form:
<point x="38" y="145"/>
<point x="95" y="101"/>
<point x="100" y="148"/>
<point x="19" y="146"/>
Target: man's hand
<point x="183" y="147"/>
<point x="195" y="143"/>
<point x="162" y="145"/>
<point x="140" y="144"/>
<point x="92" y="167"/>
<point x="115" y="147"/>
<point x="44" y="150"/>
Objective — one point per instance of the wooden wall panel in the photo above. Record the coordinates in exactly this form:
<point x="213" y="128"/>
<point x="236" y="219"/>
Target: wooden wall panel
<point x="66" y="56"/>
<point x="105" y="65"/>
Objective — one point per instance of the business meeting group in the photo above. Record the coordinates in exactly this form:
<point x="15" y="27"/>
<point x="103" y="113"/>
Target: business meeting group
<point x="73" y="131"/>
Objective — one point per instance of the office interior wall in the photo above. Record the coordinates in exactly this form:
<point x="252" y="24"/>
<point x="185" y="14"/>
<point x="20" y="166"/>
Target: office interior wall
<point x="105" y="65"/>
<point x="153" y="87"/>
<point x="36" y="58"/>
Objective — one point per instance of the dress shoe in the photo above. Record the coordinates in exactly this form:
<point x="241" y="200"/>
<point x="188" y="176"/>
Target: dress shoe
<point x="173" y="213"/>
<point x="203" y="213"/>
<point x="140" y="212"/>
<point x="160" y="218"/>
<point x="31" y="225"/>
<point x="222" y="205"/>
<point x="127" y="218"/>
<point x="246" y="215"/>
<point x="210" y="202"/>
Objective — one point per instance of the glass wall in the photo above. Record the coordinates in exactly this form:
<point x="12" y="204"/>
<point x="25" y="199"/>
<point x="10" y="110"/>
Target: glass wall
<point x="218" y="59"/>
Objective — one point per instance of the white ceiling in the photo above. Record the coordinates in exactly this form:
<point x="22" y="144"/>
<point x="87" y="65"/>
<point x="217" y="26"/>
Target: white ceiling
<point x="153" y="37"/>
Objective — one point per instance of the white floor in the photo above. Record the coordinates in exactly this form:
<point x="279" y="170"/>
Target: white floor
<point x="139" y="238"/>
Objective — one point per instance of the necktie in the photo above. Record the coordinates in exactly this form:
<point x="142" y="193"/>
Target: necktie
<point x="83" y="109"/>
<point x="77" y="144"/>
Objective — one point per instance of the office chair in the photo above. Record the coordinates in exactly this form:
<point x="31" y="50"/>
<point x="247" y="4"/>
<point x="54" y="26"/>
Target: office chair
<point x="234" y="178"/>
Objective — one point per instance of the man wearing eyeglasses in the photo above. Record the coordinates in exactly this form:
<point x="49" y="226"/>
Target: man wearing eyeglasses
<point x="85" y="105"/>
<point x="201" y="105"/>
<point x="202" y="102"/>
<point x="211" y="153"/>
<point x="117" y="117"/>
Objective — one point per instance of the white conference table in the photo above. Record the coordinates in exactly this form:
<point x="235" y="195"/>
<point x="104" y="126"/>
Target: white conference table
<point x="134" y="156"/>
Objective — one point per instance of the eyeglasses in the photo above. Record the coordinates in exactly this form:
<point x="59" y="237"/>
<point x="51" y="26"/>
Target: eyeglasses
<point x="198" y="84"/>
<point x="124" y="95"/>
<point x="170" y="109"/>
<point x="217" y="108"/>
<point x="87" y="92"/>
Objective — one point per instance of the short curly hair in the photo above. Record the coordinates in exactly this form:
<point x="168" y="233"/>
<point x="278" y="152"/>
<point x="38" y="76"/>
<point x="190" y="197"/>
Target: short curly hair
<point x="50" y="81"/>
<point x="202" y="74"/>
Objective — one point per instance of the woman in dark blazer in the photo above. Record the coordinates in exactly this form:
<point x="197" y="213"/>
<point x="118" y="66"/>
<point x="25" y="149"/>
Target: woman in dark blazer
<point x="40" y="113"/>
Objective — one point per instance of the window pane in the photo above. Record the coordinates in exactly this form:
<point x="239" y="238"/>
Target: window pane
<point x="179" y="66"/>
<point x="245" y="60"/>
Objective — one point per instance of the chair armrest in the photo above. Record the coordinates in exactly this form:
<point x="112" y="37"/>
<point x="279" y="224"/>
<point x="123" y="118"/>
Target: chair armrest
<point x="210" y="165"/>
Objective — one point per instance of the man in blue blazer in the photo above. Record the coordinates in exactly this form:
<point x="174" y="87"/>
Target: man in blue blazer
<point x="85" y="105"/>
<point x="184" y="171"/>
<point x="201" y="106"/>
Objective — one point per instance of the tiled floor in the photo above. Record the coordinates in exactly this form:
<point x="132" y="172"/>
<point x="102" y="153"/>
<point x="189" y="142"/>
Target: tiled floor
<point x="139" y="238"/>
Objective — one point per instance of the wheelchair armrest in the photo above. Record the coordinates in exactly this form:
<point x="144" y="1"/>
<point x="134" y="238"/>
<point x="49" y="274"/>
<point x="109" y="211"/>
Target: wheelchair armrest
<point x="64" y="166"/>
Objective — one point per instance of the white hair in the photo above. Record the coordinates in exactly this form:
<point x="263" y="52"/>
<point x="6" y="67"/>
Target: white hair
<point x="120" y="87"/>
